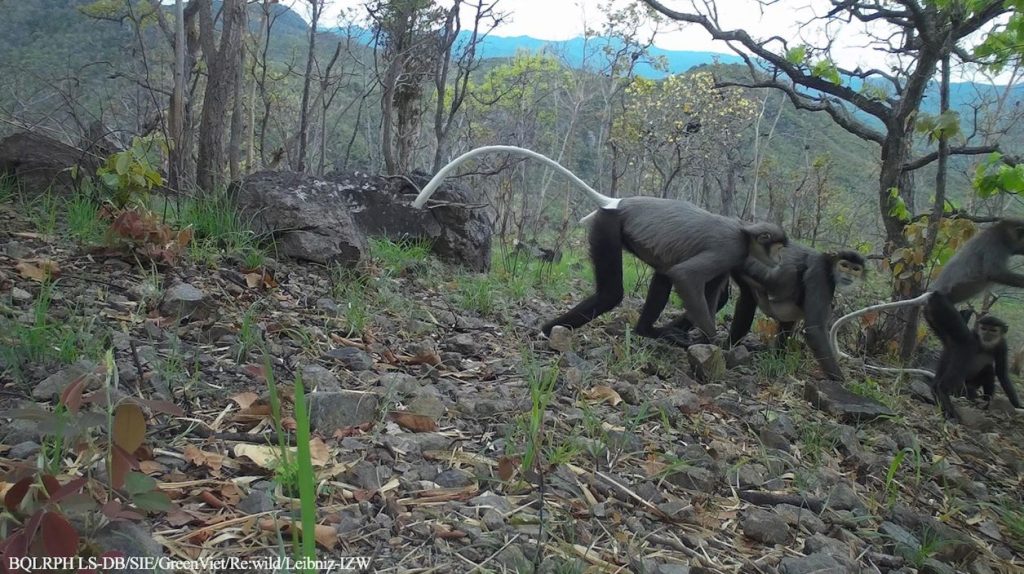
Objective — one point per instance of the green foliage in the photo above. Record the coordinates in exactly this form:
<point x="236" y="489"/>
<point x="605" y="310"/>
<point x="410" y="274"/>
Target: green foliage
<point x="797" y="55"/>
<point x="1005" y="44"/>
<point x="937" y="127"/>
<point x="400" y="257"/>
<point x="307" y="491"/>
<point x="129" y="175"/>
<point x="826" y="70"/>
<point x="993" y="177"/>
<point x="84" y="220"/>
<point x="898" y="207"/>
<point x="351" y="290"/>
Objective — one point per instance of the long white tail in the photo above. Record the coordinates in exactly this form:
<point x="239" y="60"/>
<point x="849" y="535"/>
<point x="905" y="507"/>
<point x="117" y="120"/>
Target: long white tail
<point x="834" y="332"/>
<point x="435" y="182"/>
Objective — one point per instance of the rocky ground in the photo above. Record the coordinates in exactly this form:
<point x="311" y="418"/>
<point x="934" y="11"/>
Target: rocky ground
<point x="449" y="437"/>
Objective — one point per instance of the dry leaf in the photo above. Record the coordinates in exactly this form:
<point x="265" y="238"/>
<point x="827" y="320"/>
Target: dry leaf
<point x="265" y="456"/>
<point x="603" y="393"/>
<point x="245" y="400"/>
<point x="319" y="454"/>
<point x="506" y="468"/>
<point x="38" y="270"/>
<point x="413" y="422"/>
<point x="253" y="280"/>
<point x="129" y="426"/>
<point x="201" y="458"/>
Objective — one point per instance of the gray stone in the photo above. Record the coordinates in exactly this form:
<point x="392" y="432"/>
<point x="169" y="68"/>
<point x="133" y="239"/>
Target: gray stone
<point x="23" y="450"/>
<point x="821" y="544"/>
<point x="369" y="476"/>
<point x="318" y="378"/>
<point x="417" y="442"/>
<point x="351" y="358"/>
<point x="813" y="564"/>
<point x="765" y="527"/>
<point x="256" y="502"/>
<point x="465" y="343"/>
<point x="693" y="478"/>
<point x="453" y="478"/>
<point x="748" y="475"/>
<point x="707" y="362"/>
<point x="737" y="356"/>
<point x="305" y="214"/>
<point x="933" y="566"/>
<point x="801" y="518"/>
<point x="844" y="497"/>
<point x="331" y="411"/>
<point x="400" y="383"/>
<point x="899" y="540"/>
<point x="560" y="339"/>
<point x="19" y="294"/>
<point x="833" y="398"/>
<point x="428" y="405"/>
<point x="493" y="520"/>
<point x="129" y="538"/>
<point x="54" y="385"/>
<point x="183" y="301"/>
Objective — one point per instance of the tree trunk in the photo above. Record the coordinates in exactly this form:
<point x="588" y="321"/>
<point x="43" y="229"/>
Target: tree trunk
<point x="177" y="111"/>
<point x="220" y="63"/>
<point x="238" y="113"/>
<point x="300" y="161"/>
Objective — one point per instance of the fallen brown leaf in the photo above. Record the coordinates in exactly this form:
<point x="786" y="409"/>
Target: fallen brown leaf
<point x="38" y="270"/>
<point x="413" y="422"/>
<point x="603" y="393"/>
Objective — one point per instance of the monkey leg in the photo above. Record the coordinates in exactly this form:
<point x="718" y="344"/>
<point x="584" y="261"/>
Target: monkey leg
<point x="743" y="314"/>
<point x="606" y="257"/>
<point x="658" y="294"/>
<point x="716" y="293"/>
<point x="690" y="278"/>
<point x="785" y="332"/>
<point x="957" y="350"/>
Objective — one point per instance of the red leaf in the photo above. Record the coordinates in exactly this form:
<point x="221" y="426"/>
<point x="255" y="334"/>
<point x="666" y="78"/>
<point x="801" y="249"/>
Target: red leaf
<point x="16" y="494"/>
<point x="51" y="483"/>
<point x="59" y="537"/>
<point x="14" y="547"/>
<point x="72" y="395"/>
<point x="111" y="508"/>
<point x="506" y="468"/>
<point x="68" y="489"/>
<point x="120" y="463"/>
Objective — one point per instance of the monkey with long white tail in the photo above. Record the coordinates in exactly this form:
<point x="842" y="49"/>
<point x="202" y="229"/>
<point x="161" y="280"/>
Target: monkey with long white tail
<point x="690" y="248"/>
<point x="980" y="263"/>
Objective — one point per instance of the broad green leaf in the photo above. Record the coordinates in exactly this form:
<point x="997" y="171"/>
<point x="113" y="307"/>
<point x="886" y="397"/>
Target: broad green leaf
<point x="796" y="55"/>
<point x="137" y="483"/>
<point x="154" y="501"/>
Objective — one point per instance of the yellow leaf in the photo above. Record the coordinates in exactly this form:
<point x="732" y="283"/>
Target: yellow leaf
<point x="603" y="393"/>
<point x="129" y="426"/>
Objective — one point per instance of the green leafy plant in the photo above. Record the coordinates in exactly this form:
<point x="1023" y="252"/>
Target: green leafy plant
<point x="129" y="175"/>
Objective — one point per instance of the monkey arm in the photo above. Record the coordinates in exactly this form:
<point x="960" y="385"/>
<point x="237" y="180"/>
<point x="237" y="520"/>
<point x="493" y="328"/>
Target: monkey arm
<point x="743" y="314"/>
<point x="772" y="278"/>
<point x="1002" y="372"/>
<point x="818" y="295"/>
<point x="1009" y="278"/>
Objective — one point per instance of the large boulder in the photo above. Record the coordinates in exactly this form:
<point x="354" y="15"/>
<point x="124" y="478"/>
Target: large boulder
<point x="312" y="217"/>
<point x="457" y="220"/>
<point x="40" y="162"/>
<point x="307" y="216"/>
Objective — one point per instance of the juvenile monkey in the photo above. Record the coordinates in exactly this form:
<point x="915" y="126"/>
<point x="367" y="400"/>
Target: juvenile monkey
<point x="990" y="361"/>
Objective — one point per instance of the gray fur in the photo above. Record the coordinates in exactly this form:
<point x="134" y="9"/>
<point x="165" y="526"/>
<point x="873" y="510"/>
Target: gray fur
<point x="983" y="261"/>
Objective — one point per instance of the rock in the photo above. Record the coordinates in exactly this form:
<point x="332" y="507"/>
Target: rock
<point x="800" y="518"/>
<point x="627" y="391"/>
<point x="933" y="566"/>
<point x="843" y="497"/>
<point x="453" y="478"/>
<point x="428" y="405"/>
<point x="493" y="520"/>
<point x="737" y="356"/>
<point x="765" y="527"/>
<point x="183" y="301"/>
<point x="256" y="502"/>
<point x="456" y="221"/>
<point x="899" y="541"/>
<point x="922" y="391"/>
<point x="821" y="544"/>
<point x="307" y="216"/>
<point x="833" y="398"/>
<point x="560" y="339"/>
<point x="19" y="294"/>
<point x="772" y="439"/>
<point x="693" y="478"/>
<point x="351" y="358"/>
<point x="54" y="385"/>
<point x="23" y="450"/>
<point x="490" y="501"/>
<point x="318" y="378"/>
<point x="813" y="564"/>
<point x="624" y="441"/>
<point x="417" y="442"/>
<point x="129" y="538"/>
<point x="750" y="475"/>
<point x="331" y="411"/>
<point x="707" y="362"/>
<point x="465" y="343"/>
<point x="513" y="559"/>
<point x="400" y="383"/>
<point x="41" y="162"/>
<point x="369" y="476"/>
<point x="956" y="547"/>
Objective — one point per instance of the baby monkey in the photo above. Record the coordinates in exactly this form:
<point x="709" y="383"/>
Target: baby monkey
<point x="989" y="361"/>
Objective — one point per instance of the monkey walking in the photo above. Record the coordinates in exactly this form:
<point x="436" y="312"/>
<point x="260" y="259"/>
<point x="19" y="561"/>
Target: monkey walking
<point x="690" y="249"/>
<point x="981" y="262"/>
<point x="990" y="362"/>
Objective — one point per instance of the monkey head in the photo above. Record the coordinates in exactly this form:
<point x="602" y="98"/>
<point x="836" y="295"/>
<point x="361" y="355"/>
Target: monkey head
<point x="991" y="331"/>
<point x="848" y="269"/>
<point x="1012" y="231"/>
<point x="765" y="241"/>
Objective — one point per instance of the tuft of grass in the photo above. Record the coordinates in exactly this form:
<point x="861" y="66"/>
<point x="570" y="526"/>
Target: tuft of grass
<point x="350" y="289"/>
<point x="476" y="293"/>
<point x="630" y="355"/>
<point x="817" y="440"/>
<point x="218" y="228"/>
<point x="541" y="381"/>
<point x="43" y="211"/>
<point x="872" y="389"/>
<point x="83" y="219"/>
<point x="398" y="258"/>
<point x="778" y="363"/>
<point x="9" y="188"/>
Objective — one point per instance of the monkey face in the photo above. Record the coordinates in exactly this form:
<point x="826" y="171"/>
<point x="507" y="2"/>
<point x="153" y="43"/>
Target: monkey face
<point x="848" y="274"/>
<point x="989" y="335"/>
